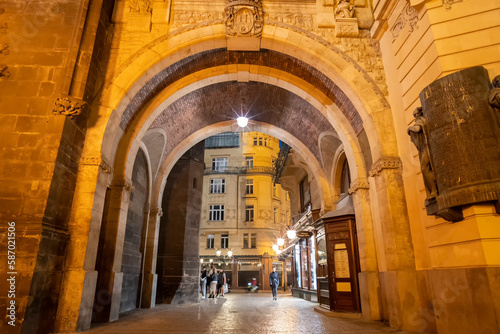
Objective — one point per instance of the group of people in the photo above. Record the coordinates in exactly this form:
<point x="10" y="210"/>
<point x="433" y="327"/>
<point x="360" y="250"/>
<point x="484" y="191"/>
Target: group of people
<point x="216" y="281"/>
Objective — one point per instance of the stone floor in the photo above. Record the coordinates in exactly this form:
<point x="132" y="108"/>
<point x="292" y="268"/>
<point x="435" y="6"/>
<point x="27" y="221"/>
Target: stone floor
<point x="237" y="312"/>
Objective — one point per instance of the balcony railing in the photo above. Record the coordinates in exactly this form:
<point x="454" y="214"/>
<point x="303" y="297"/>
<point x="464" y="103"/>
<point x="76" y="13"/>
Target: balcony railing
<point x="240" y="170"/>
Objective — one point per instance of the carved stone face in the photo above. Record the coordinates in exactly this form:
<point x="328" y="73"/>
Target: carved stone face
<point x="417" y="112"/>
<point x="496" y="81"/>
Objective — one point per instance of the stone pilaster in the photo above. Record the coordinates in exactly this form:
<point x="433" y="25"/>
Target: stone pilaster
<point x="110" y="278"/>
<point x="74" y="312"/>
<point x="369" y="284"/>
<point x="150" y="276"/>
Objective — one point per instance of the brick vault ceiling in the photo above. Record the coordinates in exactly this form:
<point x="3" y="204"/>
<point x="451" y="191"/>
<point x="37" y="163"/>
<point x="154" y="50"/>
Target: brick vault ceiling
<point x="265" y="103"/>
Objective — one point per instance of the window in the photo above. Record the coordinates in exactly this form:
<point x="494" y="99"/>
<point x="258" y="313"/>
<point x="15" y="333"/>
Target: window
<point x="265" y="141"/>
<point x="246" y="240"/>
<point x="216" y="212"/>
<point x="210" y="241"/>
<point x="275" y="190"/>
<point x="249" y="240"/>
<point x="260" y="141"/>
<point x="249" y="213"/>
<point x="224" y="241"/>
<point x="249" y="162"/>
<point x="249" y="187"/>
<point x="217" y="186"/>
<point x="219" y="164"/>
<point x="275" y="215"/>
<point x="254" y="141"/>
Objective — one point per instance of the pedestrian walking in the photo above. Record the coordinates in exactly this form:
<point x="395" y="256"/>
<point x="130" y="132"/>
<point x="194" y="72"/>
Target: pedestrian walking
<point x="203" y="279"/>
<point x="274" y="281"/>
<point x="222" y="282"/>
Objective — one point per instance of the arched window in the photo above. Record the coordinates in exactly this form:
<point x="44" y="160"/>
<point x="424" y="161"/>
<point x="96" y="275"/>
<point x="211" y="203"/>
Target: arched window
<point x="345" y="178"/>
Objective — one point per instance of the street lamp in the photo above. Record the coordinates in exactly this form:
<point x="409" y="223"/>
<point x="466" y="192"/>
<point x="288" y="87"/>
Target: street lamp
<point x="229" y="253"/>
<point x="281" y="242"/>
<point x="276" y="248"/>
<point x="291" y="234"/>
<point x="218" y="252"/>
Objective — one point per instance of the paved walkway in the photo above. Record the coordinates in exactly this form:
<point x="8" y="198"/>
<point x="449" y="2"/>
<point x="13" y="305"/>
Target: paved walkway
<point x="238" y="313"/>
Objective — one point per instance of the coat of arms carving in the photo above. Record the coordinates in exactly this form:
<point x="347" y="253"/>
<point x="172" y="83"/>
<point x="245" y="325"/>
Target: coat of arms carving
<point x="244" y="18"/>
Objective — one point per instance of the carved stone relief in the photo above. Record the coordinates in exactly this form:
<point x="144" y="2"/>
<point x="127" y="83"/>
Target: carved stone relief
<point x="68" y="106"/>
<point x="244" y="18"/>
<point x="409" y="16"/>
<point x="140" y="6"/>
<point x="344" y="9"/>
<point x="386" y="163"/>
<point x="449" y="3"/>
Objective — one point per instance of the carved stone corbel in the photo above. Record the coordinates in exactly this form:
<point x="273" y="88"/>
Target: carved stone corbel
<point x="386" y="163"/>
<point x="68" y="106"/>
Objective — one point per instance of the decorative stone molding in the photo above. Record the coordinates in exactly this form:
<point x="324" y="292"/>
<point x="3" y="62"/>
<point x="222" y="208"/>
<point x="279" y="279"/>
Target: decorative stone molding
<point x="356" y="185"/>
<point x="244" y="18"/>
<point x="448" y="3"/>
<point x="385" y="163"/>
<point x="156" y="211"/>
<point x="409" y="16"/>
<point x="68" y="106"/>
<point x="4" y="71"/>
<point x="96" y="160"/>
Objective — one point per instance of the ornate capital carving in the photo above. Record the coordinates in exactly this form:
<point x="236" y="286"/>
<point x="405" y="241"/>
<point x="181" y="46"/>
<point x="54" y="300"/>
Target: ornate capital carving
<point x="68" y="106"/>
<point x="157" y="211"/>
<point x="244" y="18"/>
<point x="356" y="185"/>
<point x="126" y="184"/>
<point x="4" y="71"/>
<point x="96" y="160"/>
<point x="385" y="163"/>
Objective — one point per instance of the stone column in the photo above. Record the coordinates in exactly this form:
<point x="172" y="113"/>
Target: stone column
<point x="369" y="284"/>
<point x="400" y="287"/>
<point x="109" y="282"/>
<point x="74" y="312"/>
<point x="150" y="277"/>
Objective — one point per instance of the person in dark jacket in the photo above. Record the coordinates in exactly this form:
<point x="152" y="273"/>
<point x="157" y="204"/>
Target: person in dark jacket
<point x="274" y="281"/>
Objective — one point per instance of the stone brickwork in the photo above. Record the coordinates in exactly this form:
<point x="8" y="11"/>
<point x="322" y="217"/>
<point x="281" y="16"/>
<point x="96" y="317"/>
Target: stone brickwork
<point x="178" y="265"/>
<point x="134" y="243"/>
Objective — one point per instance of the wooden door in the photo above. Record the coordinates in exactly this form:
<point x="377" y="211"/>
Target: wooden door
<point x="343" y="265"/>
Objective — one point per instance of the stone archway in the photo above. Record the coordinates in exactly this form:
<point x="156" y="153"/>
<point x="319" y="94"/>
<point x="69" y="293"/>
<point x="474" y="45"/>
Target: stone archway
<point x="138" y="94"/>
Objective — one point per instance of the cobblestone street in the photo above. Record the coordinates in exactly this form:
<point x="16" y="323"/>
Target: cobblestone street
<point x="238" y="312"/>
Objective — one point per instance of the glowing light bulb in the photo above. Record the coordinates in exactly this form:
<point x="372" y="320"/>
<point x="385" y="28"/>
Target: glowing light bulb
<point x="276" y="248"/>
<point x="281" y="241"/>
<point x="218" y="252"/>
<point x="242" y="121"/>
<point x="229" y="253"/>
<point x="291" y="234"/>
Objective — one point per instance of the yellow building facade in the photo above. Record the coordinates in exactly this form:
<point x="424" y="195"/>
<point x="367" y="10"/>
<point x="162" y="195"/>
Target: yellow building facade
<point x="243" y="211"/>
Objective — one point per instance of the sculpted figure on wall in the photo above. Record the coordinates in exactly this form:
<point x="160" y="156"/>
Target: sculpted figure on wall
<point x="140" y="6"/>
<point x="344" y="9"/>
<point x="419" y="139"/>
<point x="494" y="96"/>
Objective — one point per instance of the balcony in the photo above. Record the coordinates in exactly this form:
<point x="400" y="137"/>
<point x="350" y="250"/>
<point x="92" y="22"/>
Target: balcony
<point x="240" y="170"/>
